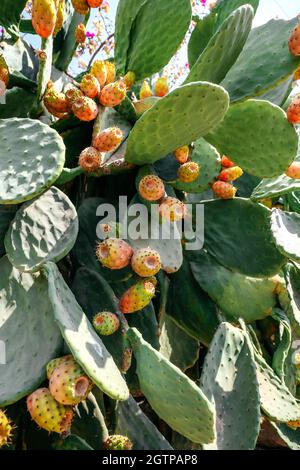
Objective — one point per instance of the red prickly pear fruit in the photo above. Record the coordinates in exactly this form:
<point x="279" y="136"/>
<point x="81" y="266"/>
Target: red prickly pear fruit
<point x="294" y="41"/>
<point x="94" y="3"/>
<point x="230" y="174"/>
<point x="55" y="101"/>
<point x="161" y="87"/>
<point x="145" y="91"/>
<point x="85" y="109"/>
<point x="90" y="86"/>
<point x="110" y="71"/>
<point x="80" y="34"/>
<point x="72" y="94"/>
<point x="151" y="188"/>
<point x="114" y="253"/>
<point x="81" y="6"/>
<point x="226" y="163"/>
<point x="116" y="442"/>
<point x="224" y="190"/>
<point x="48" y="413"/>
<point x="182" y="154"/>
<point x="99" y="70"/>
<point x="43" y="17"/>
<point x="293" y="171"/>
<point x="6" y="429"/>
<point x="108" y="140"/>
<point x="90" y="160"/>
<point x="106" y="323"/>
<point x="188" y="172"/>
<point x="129" y="80"/>
<point x="293" y="111"/>
<point x="55" y="363"/>
<point x="113" y="94"/>
<point x="172" y="209"/>
<point x="146" y="262"/>
<point x="68" y="384"/>
<point x="137" y="296"/>
<point x="60" y="18"/>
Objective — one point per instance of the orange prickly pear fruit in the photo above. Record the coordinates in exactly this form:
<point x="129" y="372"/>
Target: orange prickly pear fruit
<point x="94" y="3"/>
<point x="188" y="172"/>
<point x="43" y="17"/>
<point x="61" y="10"/>
<point x="267" y="202"/>
<point x="145" y="91"/>
<point x="110" y="71"/>
<point x="129" y="79"/>
<point x="80" y="33"/>
<point x="182" y="154"/>
<point x="114" y="253"/>
<point x="72" y="94"/>
<point x="108" y="140"/>
<point x="117" y="442"/>
<point x="55" y="363"/>
<point x="224" y="190"/>
<point x="85" y="109"/>
<point x="297" y="74"/>
<point x="81" y="6"/>
<point x="90" y="85"/>
<point x="161" y="87"/>
<point x="113" y="94"/>
<point x="230" y="174"/>
<point x="55" y="101"/>
<point x="99" y="70"/>
<point x="90" y="160"/>
<point x="226" y="163"/>
<point x="172" y="209"/>
<point x="137" y="296"/>
<point x="146" y="262"/>
<point x="293" y="171"/>
<point x="294" y="41"/>
<point x="106" y="323"/>
<point x="151" y="188"/>
<point x="293" y="111"/>
<point x="68" y="384"/>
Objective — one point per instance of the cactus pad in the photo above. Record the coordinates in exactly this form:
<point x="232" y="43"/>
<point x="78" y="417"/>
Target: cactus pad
<point x="286" y="232"/>
<point x="7" y="214"/>
<point x="274" y="187"/>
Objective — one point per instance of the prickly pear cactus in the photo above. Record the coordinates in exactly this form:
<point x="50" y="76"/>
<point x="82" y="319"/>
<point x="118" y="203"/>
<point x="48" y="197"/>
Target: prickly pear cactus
<point x="149" y="227"/>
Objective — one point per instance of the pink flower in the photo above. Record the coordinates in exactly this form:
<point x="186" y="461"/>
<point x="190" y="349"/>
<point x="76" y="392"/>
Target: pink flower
<point x="203" y="3"/>
<point x="90" y="35"/>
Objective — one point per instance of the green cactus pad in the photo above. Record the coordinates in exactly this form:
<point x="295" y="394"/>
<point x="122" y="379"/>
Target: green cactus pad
<point x="286" y="232"/>
<point x="257" y="136"/>
<point x="132" y="422"/>
<point x="10" y="14"/>
<point x="183" y="116"/>
<point x="293" y="200"/>
<point x="274" y="187"/>
<point x="209" y="162"/>
<point x="157" y="32"/>
<point x="232" y="291"/>
<point x="84" y="343"/>
<point x="290" y="436"/>
<point x="18" y="103"/>
<point x="279" y="94"/>
<point x="265" y="61"/>
<point x="246" y="184"/>
<point x="236" y="230"/>
<point x="229" y="380"/>
<point x="223" y="48"/>
<point x="173" y="396"/>
<point x="29" y="336"/>
<point x="26" y="145"/>
<point x="280" y="356"/>
<point x="7" y="214"/>
<point x="72" y="442"/>
<point x="292" y="277"/>
<point x="44" y="229"/>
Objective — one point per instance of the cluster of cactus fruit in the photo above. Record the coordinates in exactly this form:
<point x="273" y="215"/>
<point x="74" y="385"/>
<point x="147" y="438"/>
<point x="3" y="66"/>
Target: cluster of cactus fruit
<point x="101" y="327"/>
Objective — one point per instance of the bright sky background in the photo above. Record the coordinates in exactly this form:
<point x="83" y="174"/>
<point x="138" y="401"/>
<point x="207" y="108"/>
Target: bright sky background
<point x="268" y="9"/>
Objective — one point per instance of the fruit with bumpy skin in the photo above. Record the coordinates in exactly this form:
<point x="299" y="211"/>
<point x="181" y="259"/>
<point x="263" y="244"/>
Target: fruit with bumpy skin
<point x="60" y="18"/>
<point x="72" y="94"/>
<point x="48" y="413"/>
<point x="126" y="360"/>
<point x="43" y="17"/>
<point x="230" y="174"/>
<point x="90" y="160"/>
<point x="172" y="209"/>
<point x="182" y="154"/>
<point x="161" y="87"/>
<point x="145" y="91"/>
<point x="68" y="384"/>
<point x="151" y="188"/>
<point x="110" y="71"/>
<point x="226" y="163"/>
<point x="80" y="33"/>
<point x="90" y="86"/>
<point x="293" y="111"/>
<point x="110" y="230"/>
<point x="99" y="70"/>
<point x="117" y="442"/>
<point x="146" y="262"/>
<point x="224" y="190"/>
<point x="108" y="140"/>
<point x="94" y="3"/>
<point x="294" y="41"/>
<point x="114" y="253"/>
<point x="81" y="6"/>
<point x="113" y="94"/>
<point x="267" y="202"/>
<point x="55" y="101"/>
<point x="55" y="363"/>
<point x="293" y="171"/>
<point x="137" y="296"/>
<point x="5" y="429"/>
<point x="4" y="73"/>
<point x="106" y="323"/>
<point x="294" y="424"/>
<point x="129" y="80"/>
<point x="85" y="109"/>
<point x="188" y="172"/>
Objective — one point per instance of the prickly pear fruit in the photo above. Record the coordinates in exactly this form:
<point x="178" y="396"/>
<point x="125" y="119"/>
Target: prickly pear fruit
<point x="114" y="253"/>
<point x="267" y="202"/>
<point x="5" y="429"/>
<point x="293" y="170"/>
<point x="90" y="160"/>
<point x="47" y="413"/>
<point x="90" y="86"/>
<point x="230" y="174"/>
<point x="137" y="296"/>
<point x="126" y="360"/>
<point x="110" y="230"/>
<point x="226" y="163"/>
<point x="294" y="41"/>
<point x="69" y="384"/>
<point x="297" y="74"/>
<point x="43" y="17"/>
<point x="146" y="262"/>
<point x="161" y="87"/>
<point x="110" y="71"/>
<point x="113" y="94"/>
<point x="108" y="140"/>
<point x="293" y="111"/>
<point x="55" y="363"/>
<point x="94" y="3"/>
<point x="188" y="172"/>
<point x="60" y="18"/>
<point x="55" y="101"/>
<point x="172" y="209"/>
<point x="99" y="70"/>
<point x="182" y="154"/>
<point x="129" y="79"/>
<point x="72" y="94"/>
<point x="151" y="188"/>
<point x="80" y="33"/>
<point x="81" y="6"/>
<point x="117" y="442"/>
<point x="145" y="91"/>
<point x="224" y="190"/>
<point x="106" y="323"/>
<point x="85" y="109"/>
<point x="294" y="424"/>
<point x="4" y="73"/>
